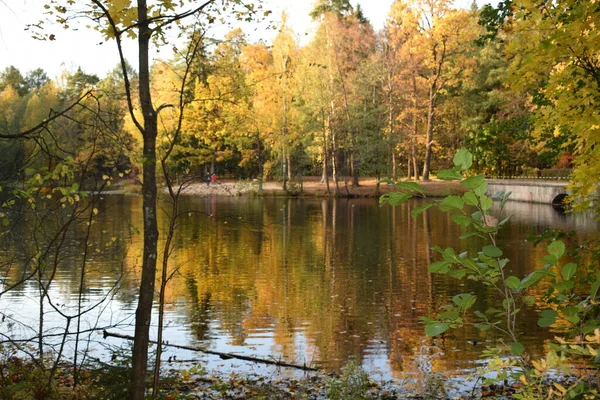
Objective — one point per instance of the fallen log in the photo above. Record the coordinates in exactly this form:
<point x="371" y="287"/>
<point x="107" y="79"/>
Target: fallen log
<point x="222" y="355"/>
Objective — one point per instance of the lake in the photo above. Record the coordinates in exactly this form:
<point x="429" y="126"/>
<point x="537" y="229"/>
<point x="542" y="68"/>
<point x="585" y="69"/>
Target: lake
<point x="315" y="281"/>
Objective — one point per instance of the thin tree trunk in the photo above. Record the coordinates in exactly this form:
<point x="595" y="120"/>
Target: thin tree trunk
<point x="261" y="166"/>
<point x="391" y="155"/>
<point x="163" y="287"/>
<point x="429" y="138"/>
<point x="354" y="172"/>
<point x="325" y="177"/>
<point x="413" y="140"/>
<point x="285" y="155"/>
<point x="146" y="295"/>
<point x="332" y="131"/>
<point x="334" y="163"/>
<point x="416" y="168"/>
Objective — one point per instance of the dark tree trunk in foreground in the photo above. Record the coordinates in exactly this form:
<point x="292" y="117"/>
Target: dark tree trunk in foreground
<point x="146" y="293"/>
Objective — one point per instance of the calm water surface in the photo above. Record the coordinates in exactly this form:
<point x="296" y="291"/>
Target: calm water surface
<point x="309" y="281"/>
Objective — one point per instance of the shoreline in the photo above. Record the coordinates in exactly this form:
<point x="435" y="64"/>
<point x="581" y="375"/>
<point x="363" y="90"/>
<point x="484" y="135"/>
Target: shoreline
<point x="309" y="187"/>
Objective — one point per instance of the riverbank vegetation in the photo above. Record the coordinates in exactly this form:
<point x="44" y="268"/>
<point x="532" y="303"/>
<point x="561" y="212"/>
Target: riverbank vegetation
<point x="517" y="85"/>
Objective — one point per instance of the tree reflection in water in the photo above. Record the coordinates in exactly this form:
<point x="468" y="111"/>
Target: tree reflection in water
<point x="313" y="280"/>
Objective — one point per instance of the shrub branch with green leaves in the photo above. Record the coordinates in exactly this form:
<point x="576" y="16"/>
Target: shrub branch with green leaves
<point x="571" y="302"/>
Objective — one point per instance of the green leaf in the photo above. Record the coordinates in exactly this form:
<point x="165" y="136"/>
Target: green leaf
<point x="497" y="195"/>
<point x="384" y="198"/>
<point x="556" y="248"/>
<point x="506" y="303"/>
<point x="463" y="159"/>
<point x="470" y="198"/>
<point x="491" y="251"/>
<point x="568" y="271"/>
<point x="486" y="202"/>
<point x="439" y="266"/>
<point x="482" y="327"/>
<point x="437" y="328"/>
<point x="449" y="175"/>
<point x="534" y="278"/>
<point x="505" y="199"/>
<point x="505" y="220"/>
<point x="468" y="235"/>
<point x="451" y="203"/>
<point x="566" y="285"/>
<point x="397" y="198"/>
<point x="550" y="259"/>
<point x="470" y="264"/>
<point x="571" y="314"/>
<point x="547" y="318"/>
<point x="481" y="190"/>
<point x="464" y="301"/>
<point x="461" y="219"/>
<point x="477" y="216"/>
<point x="411" y="186"/>
<point x="512" y="282"/>
<point x="492" y="262"/>
<point x="473" y="181"/>
<point x="594" y="287"/>
<point x="457" y="273"/>
<point x="415" y="212"/>
<point x="516" y="348"/>
<point x="449" y="315"/>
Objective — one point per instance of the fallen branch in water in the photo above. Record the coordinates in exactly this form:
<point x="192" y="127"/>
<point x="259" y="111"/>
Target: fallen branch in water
<point x="224" y="356"/>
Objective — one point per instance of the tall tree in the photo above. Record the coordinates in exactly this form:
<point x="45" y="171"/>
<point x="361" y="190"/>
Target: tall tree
<point x="284" y="62"/>
<point x="35" y="79"/>
<point x="217" y="111"/>
<point x="404" y="84"/>
<point x="11" y="76"/>
<point x="345" y="40"/>
<point x="439" y="37"/>
<point x="147" y="23"/>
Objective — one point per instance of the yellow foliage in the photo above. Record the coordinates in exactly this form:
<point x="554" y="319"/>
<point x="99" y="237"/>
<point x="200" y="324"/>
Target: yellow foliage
<point x="555" y="54"/>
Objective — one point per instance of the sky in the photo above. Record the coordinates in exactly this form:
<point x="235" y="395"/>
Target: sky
<point x="85" y="48"/>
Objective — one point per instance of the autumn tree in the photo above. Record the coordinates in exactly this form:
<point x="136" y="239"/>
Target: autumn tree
<point x="284" y="60"/>
<point x="403" y="85"/>
<point x="261" y="131"/>
<point x="435" y="39"/>
<point x="11" y="76"/>
<point x="147" y="23"/>
<point x="217" y="112"/>
<point x="344" y="40"/>
<point x="554" y="56"/>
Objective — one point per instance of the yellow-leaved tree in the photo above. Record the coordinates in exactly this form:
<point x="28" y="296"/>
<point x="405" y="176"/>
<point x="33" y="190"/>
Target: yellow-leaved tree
<point x="146" y="22"/>
<point x="555" y="52"/>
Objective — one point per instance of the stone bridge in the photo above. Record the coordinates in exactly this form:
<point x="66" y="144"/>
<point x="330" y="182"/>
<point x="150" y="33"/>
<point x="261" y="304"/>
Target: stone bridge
<point x="530" y="191"/>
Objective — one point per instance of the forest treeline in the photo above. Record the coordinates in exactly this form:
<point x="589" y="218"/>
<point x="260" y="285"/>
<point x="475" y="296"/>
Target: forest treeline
<point x="517" y="85"/>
